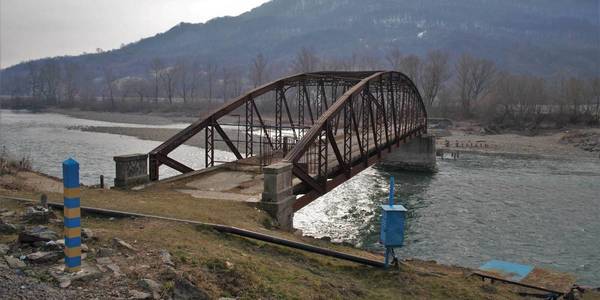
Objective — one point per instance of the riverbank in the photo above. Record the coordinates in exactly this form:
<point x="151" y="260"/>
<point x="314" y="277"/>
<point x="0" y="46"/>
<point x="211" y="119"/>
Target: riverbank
<point x="215" y="264"/>
<point x="466" y="136"/>
<point x="552" y="144"/>
<point x="549" y="144"/>
<point x="153" y="118"/>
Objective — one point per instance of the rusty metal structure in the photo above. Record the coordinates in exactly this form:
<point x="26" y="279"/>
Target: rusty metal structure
<point x="329" y="125"/>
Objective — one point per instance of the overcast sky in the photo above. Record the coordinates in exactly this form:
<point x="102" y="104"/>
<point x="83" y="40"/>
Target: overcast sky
<point x="31" y="29"/>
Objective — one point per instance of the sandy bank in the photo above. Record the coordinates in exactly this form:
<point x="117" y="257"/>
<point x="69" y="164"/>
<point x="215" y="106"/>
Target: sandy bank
<point x="132" y="118"/>
<point x="163" y="134"/>
<point x="550" y="144"/>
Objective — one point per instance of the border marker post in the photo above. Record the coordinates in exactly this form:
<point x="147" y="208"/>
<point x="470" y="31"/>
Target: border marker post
<point x="72" y="215"/>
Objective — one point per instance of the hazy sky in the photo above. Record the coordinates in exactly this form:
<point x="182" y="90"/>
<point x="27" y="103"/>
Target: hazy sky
<point x="32" y="29"/>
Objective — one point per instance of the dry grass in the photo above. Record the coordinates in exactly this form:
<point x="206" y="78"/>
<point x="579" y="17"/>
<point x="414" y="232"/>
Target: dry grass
<point x="230" y="266"/>
<point x="10" y="165"/>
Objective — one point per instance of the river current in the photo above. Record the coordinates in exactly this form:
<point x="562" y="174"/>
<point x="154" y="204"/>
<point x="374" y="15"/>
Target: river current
<point x="538" y="211"/>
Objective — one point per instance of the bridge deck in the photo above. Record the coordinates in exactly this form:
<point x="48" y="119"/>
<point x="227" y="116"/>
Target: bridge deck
<point x="240" y="180"/>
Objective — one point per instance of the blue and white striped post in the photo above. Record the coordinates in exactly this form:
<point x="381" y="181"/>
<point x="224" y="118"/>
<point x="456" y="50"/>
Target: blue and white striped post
<point x="72" y="213"/>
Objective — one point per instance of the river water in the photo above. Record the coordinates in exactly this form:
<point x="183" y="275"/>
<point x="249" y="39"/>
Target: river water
<point x="543" y="212"/>
<point x="48" y="139"/>
<point x="538" y="211"/>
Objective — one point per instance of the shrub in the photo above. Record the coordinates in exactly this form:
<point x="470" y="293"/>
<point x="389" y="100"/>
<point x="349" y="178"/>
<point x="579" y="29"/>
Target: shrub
<point x="9" y="165"/>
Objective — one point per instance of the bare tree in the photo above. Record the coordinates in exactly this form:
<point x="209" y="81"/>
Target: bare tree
<point x="226" y="82"/>
<point x="35" y="82"/>
<point x="236" y="82"/>
<point x="306" y="61"/>
<point x="370" y="62"/>
<point x="574" y="94"/>
<point x="411" y="66"/>
<point x="259" y="70"/>
<point x="211" y="72"/>
<point x="167" y="77"/>
<point x="72" y="73"/>
<point x="474" y="77"/>
<point x="155" y="68"/>
<point x="334" y="64"/>
<point x="184" y="79"/>
<point x="595" y="94"/>
<point x="196" y="76"/>
<point x="435" y="73"/>
<point x="133" y="85"/>
<point x="109" y="85"/>
<point x="50" y="76"/>
<point x="394" y="58"/>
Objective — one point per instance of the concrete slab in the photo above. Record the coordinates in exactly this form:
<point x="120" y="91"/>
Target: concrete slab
<point x="221" y="195"/>
<point x="220" y="181"/>
<point x="527" y="276"/>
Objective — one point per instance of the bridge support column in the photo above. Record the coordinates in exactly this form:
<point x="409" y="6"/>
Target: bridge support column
<point x="418" y="154"/>
<point x="277" y="197"/>
<point x="131" y="170"/>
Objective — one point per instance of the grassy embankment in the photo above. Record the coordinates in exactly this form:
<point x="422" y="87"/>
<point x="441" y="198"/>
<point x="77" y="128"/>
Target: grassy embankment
<point x="226" y="265"/>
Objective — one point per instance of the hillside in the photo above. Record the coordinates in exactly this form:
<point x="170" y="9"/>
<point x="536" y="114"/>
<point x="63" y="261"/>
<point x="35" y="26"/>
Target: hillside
<point x="536" y="37"/>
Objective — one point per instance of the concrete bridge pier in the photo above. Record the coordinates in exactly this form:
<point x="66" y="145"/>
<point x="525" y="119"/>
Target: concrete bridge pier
<point x="418" y="154"/>
<point x="278" y="197"/>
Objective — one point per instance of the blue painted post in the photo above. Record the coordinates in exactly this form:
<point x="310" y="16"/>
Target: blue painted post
<point x="389" y="251"/>
<point x="391" y="199"/>
<point x="72" y="213"/>
<point x="392" y="225"/>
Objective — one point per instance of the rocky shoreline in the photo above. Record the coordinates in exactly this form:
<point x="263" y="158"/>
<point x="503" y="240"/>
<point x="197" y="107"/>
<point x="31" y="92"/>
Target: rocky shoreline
<point x="31" y="265"/>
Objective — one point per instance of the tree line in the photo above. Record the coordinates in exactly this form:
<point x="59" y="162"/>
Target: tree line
<point x="463" y="87"/>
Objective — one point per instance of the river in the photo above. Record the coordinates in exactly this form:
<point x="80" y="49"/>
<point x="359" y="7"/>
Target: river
<point x="47" y="139"/>
<point x="523" y="209"/>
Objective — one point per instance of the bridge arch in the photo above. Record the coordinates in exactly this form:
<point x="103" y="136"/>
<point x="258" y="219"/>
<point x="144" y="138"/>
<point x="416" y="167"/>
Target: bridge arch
<point x="328" y="125"/>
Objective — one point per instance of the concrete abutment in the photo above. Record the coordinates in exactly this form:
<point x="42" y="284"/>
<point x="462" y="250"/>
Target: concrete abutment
<point x="278" y="197"/>
<point x="418" y="154"/>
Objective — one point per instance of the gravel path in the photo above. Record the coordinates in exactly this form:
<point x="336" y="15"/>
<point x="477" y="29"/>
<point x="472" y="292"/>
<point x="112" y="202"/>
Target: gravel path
<point x="14" y="286"/>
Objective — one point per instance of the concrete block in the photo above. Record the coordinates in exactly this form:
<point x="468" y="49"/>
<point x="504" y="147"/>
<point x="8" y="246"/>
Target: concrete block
<point x="131" y="170"/>
<point x="277" y="197"/>
<point x="282" y="211"/>
<point x="418" y="154"/>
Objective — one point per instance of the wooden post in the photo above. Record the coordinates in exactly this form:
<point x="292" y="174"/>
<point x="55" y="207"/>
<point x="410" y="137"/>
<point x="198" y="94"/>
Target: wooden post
<point x="72" y="216"/>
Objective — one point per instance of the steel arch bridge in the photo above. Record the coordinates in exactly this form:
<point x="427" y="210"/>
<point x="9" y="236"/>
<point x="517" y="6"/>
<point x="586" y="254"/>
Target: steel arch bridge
<point x="329" y="125"/>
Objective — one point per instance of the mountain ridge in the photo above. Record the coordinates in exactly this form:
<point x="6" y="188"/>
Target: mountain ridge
<point x="536" y="37"/>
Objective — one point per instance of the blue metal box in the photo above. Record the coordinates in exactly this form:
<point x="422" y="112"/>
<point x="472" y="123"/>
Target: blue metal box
<point x="392" y="225"/>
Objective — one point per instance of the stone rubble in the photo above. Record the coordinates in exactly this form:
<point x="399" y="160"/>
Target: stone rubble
<point x="87" y="234"/>
<point x="14" y="262"/>
<point x="7" y="213"/>
<point x="139" y="295"/>
<point x="4" y="249"/>
<point x="37" y="234"/>
<point x="122" y="244"/>
<point x="88" y="272"/>
<point x="38" y="215"/>
<point x="31" y="266"/>
<point x="7" y="228"/>
<point x="44" y="257"/>
<point x="149" y="285"/>
<point x="166" y="258"/>
<point x="105" y="252"/>
<point x="186" y="290"/>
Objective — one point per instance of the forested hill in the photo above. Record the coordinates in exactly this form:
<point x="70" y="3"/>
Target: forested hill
<point x="538" y="37"/>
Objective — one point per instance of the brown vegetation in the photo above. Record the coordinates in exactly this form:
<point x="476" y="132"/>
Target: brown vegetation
<point x="466" y="87"/>
<point x="9" y="165"/>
